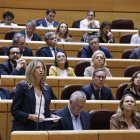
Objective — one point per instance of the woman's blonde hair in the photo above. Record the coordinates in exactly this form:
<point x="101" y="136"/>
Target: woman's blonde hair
<point x="94" y="55"/>
<point x="30" y="73"/>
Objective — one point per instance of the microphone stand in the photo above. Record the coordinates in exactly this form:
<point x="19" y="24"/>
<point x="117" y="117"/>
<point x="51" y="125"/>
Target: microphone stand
<point x="38" y="113"/>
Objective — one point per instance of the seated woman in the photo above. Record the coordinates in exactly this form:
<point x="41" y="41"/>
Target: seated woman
<point x="8" y="19"/>
<point x="61" y="67"/>
<point x="31" y="100"/>
<point x="134" y="86"/>
<point x="126" y="116"/>
<point x="62" y="33"/>
<point x="104" y="34"/>
<point x="98" y="60"/>
<point x="4" y="93"/>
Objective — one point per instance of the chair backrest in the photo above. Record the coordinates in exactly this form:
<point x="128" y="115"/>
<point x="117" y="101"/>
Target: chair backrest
<point x="48" y="65"/>
<point x="122" y="23"/>
<point x="76" y="23"/>
<point x="100" y="119"/>
<point x="9" y="35"/>
<point x="68" y="90"/>
<point x="130" y="70"/>
<point x="120" y="90"/>
<point x="126" y="53"/>
<point x="3" y="50"/>
<point x="79" y="53"/>
<point x="126" y="38"/>
<point x="80" y="67"/>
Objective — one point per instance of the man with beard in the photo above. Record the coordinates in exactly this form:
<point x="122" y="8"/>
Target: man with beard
<point x="15" y="65"/>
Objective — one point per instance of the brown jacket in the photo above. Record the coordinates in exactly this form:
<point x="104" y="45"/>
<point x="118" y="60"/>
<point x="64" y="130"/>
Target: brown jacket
<point x="117" y="122"/>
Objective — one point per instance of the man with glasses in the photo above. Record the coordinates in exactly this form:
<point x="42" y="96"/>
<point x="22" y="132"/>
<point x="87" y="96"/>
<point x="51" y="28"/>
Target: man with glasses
<point x="73" y="117"/>
<point x="15" y="65"/>
<point x="89" y="22"/>
<point x="51" y="49"/>
<point x="97" y="90"/>
<point x="29" y="32"/>
<point x="93" y="46"/>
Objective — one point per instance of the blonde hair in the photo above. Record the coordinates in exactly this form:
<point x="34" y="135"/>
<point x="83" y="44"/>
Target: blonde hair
<point x="94" y="55"/>
<point x="30" y="73"/>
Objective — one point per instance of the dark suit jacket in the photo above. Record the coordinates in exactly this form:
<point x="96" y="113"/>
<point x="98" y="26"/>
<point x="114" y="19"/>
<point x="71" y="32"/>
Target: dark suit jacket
<point x="135" y="54"/>
<point x="4" y="93"/>
<point x="24" y="103"/>
<point x="6" y="69"/>
<point x="87" y="52"/>
<point x="66" y="122"/>
<point x="42" y="22"/>
<point x="35" y="37"/>
<point x="46" y="52"/>
<point x="90" y="92"/>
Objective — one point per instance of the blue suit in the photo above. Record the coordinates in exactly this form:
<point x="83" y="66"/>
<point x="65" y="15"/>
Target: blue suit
<point x="6" y="69"/>
<point x="4" y="93"/>
<point x="66" y="122"/>
<point x="24" y="103"/>
<point x="91" y="93"/>
<point x="42" y="22"/>
<point x="35" y="37"/>
<point x="87" y="52"/>
<point x="46" y="52"/>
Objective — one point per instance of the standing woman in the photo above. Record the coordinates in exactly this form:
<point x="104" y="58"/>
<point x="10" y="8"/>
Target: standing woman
<point x="98" y="60"/>
<point x="62" y="33"/>
<point x="126" y="116"/>
<point x="105" y="35"/>
<point x="61" y="67"/>
<point x="134" y="86"/>
<point x="31" y="100"/>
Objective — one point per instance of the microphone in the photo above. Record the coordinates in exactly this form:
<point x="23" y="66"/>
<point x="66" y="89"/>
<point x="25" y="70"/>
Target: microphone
<point x="39" y="113"/>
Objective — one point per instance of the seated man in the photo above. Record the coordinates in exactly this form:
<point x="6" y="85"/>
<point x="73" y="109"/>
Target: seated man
<point x="73" y="118"/>
<point x="19" y="40"/>
<point x="93" y="46"/>
<point x="50" y="50"/>
<point x="48" y="21"/>
<point x="97" y="90"/>
<point x="4" y="93"/>
<point x="135" y="54"/>
<point x="29" y="32"/>
<point x="8" y="19"/>
<point x="15" y="65"/>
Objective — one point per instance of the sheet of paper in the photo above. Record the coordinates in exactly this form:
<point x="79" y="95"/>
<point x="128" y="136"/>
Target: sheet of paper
<point x="51" y="119"/>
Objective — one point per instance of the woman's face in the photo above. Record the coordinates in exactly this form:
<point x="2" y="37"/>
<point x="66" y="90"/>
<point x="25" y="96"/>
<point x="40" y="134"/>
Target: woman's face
<point x="137" y="80"/>
<point x="61" y="58"/>
<point x="39" y="71"/>
<point x="129" y="103"/>
<point x="106" y="29"/>
<point x="99" y="60"/>
<point x="63" y="28"/>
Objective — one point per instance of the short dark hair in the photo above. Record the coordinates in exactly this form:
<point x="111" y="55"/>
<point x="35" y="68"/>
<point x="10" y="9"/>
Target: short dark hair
<point x="8" y="14"/>
<point x="14" y="46"/>
<point x="91" y="11"/>
<point x="99" y="69"/>
<point x="50" y="10"/>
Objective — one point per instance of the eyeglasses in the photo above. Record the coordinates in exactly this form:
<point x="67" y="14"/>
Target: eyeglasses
<point x="90" y="15"/>
<point x="100" y="77"/>
<point x="14" y="53"/>
<point x="52" y="38"/>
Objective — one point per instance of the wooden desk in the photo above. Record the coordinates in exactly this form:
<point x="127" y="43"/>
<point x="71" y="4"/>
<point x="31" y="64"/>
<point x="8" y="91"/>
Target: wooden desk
<point x="58" y="83"/>
<point x="75" y="32"/>
<point x="116" y="66"/>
